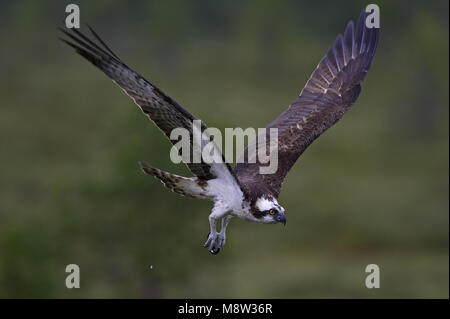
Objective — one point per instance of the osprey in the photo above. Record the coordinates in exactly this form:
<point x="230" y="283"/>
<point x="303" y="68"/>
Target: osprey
<point x="243" y="192"/>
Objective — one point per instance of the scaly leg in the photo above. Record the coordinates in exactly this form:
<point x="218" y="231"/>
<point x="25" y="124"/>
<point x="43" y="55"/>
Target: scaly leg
<point x="213" y="243"/>
<point x="223" y="229"/>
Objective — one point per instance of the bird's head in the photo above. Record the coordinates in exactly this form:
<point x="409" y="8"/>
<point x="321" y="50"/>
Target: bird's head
<point x="266" y="210"/>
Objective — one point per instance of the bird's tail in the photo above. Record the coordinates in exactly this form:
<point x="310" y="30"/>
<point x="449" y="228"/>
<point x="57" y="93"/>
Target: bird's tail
<point x="186" y="186"/>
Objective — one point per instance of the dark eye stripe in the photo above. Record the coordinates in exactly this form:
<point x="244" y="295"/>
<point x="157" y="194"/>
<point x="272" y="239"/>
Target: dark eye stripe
<point x="259" y="214"/>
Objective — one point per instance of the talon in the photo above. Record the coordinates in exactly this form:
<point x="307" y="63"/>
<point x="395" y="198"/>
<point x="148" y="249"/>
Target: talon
<point x="215" y="252"/>
<point x="214" y="243"/>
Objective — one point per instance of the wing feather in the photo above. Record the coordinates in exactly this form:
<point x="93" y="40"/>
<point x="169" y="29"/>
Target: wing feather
<point x="330" y="91"/>
<point x="165" y="112"/>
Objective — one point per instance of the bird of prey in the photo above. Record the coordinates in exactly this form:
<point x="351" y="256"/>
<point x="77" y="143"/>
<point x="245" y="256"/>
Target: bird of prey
<point x="243" y="192"/>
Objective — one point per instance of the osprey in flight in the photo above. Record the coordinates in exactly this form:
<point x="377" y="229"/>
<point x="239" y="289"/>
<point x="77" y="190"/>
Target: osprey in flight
<point x="243" y="192"/>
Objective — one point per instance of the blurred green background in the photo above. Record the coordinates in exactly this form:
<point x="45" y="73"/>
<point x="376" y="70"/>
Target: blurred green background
<point x="372" y="189"/>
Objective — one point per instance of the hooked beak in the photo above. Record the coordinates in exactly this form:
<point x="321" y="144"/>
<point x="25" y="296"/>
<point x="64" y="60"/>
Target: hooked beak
<point x="281" y="219"/>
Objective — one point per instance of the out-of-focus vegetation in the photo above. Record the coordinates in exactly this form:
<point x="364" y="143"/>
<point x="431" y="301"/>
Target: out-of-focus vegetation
<point x="372" y="189"/>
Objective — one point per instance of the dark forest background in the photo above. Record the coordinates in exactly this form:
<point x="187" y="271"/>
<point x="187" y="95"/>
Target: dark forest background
<point x="372" y="189"/>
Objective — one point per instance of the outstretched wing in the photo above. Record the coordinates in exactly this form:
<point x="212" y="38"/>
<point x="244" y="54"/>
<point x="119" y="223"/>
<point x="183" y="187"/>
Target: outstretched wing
<point x="330" y="91"/>
<point x="160" y="108"/>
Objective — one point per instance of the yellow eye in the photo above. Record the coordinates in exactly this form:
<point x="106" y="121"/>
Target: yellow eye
<point x="272" y="212"/>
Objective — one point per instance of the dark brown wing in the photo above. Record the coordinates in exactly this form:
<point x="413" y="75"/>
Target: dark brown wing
<point x="330" y="91"/>
<point x="160" y="108"/>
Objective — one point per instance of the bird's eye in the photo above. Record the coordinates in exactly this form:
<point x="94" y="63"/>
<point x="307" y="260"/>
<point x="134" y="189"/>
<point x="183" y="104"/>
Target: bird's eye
<point x="272" y="212"/>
